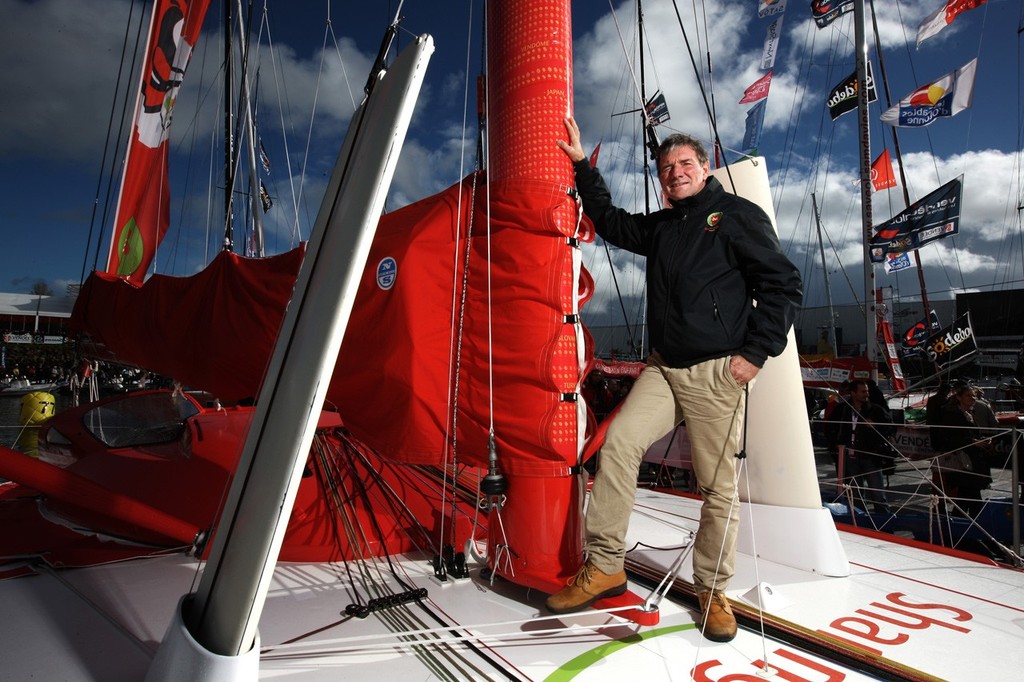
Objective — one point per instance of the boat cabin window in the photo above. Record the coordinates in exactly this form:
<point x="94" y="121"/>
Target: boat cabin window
<point x="141" y="419"/>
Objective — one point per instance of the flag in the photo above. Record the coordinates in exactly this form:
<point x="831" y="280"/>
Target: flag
<point x="843" y="97"/>
<point x="882" y="176"/>
<point x="918" y="332"/>
<point x="143" y="210"/>
<point x="265" y="197"/>
<point x="264" y="158"/>
<point x="947" y="96"/>
<point x="825" y="12"/>
<point x="758" y="89"/>
<point x="657" y="109"/>
<point x="932" y="217"/>
<point x="951" y="345"/>
<point x="752" y="135"/>
<point x="771" y="44"/>
<point x="943" y="17"/>
<point x="594" y="154"/>
<point x="766" y="8"/>
<point x="894" y="262"/>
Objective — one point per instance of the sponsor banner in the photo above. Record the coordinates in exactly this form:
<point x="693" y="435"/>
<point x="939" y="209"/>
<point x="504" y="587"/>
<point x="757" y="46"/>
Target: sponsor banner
<point x="932" y="217"/>
<point x="830" y="372"/>
<point x="617" y="367"/>
<point x="891" y="358"/>
<point x="882" y="176"/>
<point x="943" y="17"/>
<point x="913" y="442"/>
<point x="657" y="109"/>
<point x="825" y="12"/>
<point x="771" y="44"/>
<point x="918" y="333"/>
<point x="767" y="8"/>
<point x="757" y="90"/>
<point x="28" y="337"/>
<point x="896" y="261"/>
<point x="843" y="97"/>
<point x="945" y="97"/>
<point x="951" y="345"/>
<point x="752" y="133"/>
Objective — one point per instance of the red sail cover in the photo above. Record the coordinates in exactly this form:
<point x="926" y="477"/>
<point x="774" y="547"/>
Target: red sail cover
<point x="398" y="370"/>
<point x="214" y="330"/>
<point x="396" y="373"/>
<point x="143" y="211"/>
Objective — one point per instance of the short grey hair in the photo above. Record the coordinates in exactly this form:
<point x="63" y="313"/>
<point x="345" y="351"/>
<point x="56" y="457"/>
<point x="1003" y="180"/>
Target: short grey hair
<point x="682" y="140"/>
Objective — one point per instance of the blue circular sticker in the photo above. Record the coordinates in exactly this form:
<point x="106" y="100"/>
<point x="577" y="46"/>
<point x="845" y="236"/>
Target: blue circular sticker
<point x="387" y="271"/>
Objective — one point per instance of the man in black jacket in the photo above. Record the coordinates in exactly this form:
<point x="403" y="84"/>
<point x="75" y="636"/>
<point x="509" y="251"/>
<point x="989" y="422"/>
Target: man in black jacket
<point x="861" y="428"/>
<point x="710" y="257"/>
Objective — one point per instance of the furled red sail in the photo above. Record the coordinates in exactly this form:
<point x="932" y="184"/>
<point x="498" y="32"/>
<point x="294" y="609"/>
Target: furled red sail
<point x="143" y="212"/>
<point x="397" y="371"/>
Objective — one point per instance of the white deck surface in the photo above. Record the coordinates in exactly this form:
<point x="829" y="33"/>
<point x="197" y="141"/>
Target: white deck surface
<point x="941" y="615"/>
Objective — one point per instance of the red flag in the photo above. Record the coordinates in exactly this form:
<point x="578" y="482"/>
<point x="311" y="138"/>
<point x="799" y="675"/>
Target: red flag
<point x="759" y="89"/>
<point x="943" y="17"/>
<point x="594" y="154"/>
<point x="143" y="211"/>
<point x="881" y="172"/>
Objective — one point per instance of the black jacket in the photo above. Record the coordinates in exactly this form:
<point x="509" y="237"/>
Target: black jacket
<point x="870" y="438"/>
<point x="709" y="257"/>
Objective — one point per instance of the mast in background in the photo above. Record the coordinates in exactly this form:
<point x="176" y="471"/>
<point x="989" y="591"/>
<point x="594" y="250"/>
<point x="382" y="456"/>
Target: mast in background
<point x="828" y="288"/>
<point x="870" y="321"/>
<point x="899" y="163"/>
<point x="229" y="136"/>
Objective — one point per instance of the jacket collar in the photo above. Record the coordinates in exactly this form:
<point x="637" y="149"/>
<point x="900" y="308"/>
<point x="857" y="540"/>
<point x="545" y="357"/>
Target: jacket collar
<point x="711" y="190"/>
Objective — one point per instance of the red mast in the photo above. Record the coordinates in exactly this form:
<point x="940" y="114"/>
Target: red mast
<point x="529" y="69"/>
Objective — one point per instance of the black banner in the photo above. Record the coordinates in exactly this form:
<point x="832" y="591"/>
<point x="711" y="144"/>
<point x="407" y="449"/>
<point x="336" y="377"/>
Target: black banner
<point x="935" y="216"/>
<point x="951" y="345"/>
<point x="825" y="12"/>
<point x="657" y="109"/>
<point x="843" y="97"/>
<point x="913" y="337"/>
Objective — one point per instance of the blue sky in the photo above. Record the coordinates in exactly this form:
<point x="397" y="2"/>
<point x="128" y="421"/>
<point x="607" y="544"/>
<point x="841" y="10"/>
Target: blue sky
<point x="61" y="59"/>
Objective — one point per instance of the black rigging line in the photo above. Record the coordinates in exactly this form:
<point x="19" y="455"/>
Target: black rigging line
<point x="106" y="146"/>
<point x="704" y="95"/>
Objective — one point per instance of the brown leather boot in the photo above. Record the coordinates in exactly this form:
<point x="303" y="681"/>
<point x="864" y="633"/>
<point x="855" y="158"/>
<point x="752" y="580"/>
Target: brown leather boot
<point x="716" y="619"/>
<point x="589" y="585"/>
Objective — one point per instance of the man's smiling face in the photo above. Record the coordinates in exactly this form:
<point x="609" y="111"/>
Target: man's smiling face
<point x="681" y="173"/>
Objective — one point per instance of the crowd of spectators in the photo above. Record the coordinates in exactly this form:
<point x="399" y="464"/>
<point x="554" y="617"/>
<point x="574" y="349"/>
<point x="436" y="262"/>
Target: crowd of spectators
<point x="37" y="362"/>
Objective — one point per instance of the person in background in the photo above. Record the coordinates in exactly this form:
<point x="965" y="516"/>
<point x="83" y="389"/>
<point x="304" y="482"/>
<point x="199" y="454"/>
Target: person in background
<point x="861" y="432"/>
<point x="710" y="256"/>
<point x="964" y="466"/>
<point x="831" y="427"/>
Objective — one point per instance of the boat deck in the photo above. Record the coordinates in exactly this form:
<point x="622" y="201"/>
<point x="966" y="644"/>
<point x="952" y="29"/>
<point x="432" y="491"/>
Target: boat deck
<point x="904" y="611"/>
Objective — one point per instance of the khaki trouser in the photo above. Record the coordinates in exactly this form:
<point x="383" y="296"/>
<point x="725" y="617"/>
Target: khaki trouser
<point x="711" y="401"/>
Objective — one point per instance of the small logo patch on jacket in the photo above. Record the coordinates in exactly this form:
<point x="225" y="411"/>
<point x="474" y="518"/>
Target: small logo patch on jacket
<point x="713" y="221"/>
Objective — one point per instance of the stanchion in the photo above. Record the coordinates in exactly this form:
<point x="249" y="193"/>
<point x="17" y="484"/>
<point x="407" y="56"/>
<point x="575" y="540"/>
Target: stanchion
<point x="1015" y="489"/>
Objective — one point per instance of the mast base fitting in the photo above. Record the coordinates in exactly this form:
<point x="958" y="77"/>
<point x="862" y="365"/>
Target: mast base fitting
<point x="493" y="485"/>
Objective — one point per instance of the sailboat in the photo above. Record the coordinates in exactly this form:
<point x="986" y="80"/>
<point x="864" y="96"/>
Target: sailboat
<point x="332" y="555"/>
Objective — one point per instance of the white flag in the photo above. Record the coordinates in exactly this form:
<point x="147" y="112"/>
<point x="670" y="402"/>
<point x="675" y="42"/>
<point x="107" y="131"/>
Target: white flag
<point x="771" y="44"/>
<point x="947" y="96"/>
<point x="766" y="8"/>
